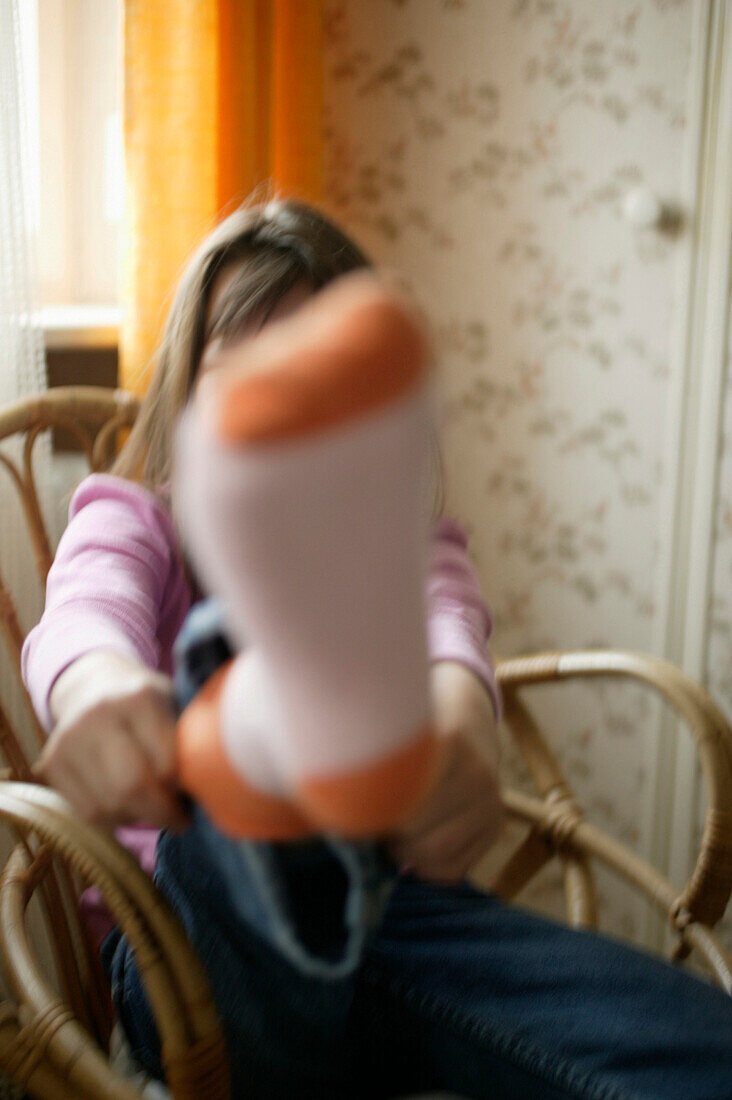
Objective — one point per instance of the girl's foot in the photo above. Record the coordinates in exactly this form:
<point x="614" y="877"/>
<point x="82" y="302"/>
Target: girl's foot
<point x="301" y="487"/>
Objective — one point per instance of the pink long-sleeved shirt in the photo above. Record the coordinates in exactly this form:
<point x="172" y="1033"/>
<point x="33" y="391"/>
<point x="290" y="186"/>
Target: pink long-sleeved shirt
<point x="118" y="582"/>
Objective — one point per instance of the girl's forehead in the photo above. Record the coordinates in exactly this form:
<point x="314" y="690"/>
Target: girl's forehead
<point x="222" y="282"/>
<point x="288" y="303"/>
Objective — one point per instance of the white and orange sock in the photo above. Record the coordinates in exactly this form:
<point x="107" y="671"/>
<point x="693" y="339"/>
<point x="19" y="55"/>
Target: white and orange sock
<point x="300" y="485"/>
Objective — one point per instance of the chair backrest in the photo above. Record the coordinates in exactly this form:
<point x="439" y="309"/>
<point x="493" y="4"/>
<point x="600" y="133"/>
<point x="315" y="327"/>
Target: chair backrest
<point x="42" y="1045"/>
<point x="94" y="417"/>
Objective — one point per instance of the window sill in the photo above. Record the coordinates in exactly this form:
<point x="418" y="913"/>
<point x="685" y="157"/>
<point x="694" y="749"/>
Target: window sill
<point x="81" y="326"/>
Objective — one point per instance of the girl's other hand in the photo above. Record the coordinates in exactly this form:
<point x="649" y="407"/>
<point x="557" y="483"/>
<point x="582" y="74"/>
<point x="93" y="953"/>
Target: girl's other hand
<point x="112" y="750"/>
<point x="461" y="818"/>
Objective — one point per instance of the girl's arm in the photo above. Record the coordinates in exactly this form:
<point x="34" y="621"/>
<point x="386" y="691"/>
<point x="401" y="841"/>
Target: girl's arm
<point x="459" y="623"/>
<point x="461" y="818"/>
<point x="115" y="598"/>
<point x="116" y="584"/>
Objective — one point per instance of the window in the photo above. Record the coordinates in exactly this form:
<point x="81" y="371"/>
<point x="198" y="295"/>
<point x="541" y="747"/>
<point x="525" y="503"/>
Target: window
<point x="73" y="70"/>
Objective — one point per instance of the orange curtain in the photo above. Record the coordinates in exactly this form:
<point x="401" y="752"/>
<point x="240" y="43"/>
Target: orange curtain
<point x="220" y="97"/>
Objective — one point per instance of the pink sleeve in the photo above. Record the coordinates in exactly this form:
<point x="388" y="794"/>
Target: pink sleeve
<point x="109" y="586"/>
<point x="459" y="623"/>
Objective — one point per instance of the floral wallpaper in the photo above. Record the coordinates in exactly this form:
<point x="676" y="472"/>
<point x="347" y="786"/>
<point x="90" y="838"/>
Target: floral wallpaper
<point x="484" y="150"/>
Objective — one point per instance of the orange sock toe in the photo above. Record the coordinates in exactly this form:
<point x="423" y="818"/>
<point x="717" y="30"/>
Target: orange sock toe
<point x="353" y="349"/>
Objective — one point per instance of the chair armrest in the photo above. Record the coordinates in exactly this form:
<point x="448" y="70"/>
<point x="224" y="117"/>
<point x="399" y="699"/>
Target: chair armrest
<point x="193" y="1046"/>
<point x="705" y="896"/>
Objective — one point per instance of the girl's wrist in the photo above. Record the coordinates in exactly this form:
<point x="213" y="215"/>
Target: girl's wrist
<point x="92" y="677"/>
<point x="462" y="703"/>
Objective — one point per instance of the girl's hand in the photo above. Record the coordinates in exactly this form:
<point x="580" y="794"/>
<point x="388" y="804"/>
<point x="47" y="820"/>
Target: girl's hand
<point x="461" y="818"/>
<point x="112" y="751"/>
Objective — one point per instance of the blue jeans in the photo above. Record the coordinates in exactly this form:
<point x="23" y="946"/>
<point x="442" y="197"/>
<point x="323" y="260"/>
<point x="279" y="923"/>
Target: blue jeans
<point x="285" y="882"/>
<point x="452" y="991"/>
<point x="337" y="978"/>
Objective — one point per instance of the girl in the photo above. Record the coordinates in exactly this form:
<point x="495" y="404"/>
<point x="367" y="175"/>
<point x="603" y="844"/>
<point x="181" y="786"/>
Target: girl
<point x="450" y="989"/>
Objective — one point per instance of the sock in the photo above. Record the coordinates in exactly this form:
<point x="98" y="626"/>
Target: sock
<point x="300" y="487"/>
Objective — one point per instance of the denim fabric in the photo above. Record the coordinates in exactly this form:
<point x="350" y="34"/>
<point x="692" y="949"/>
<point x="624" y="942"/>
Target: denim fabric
<point x="201" y="647"/>
<point x="335" y="980"/>
<point x="465" y="993"/>
<point x="277" y="887"/>
<point x="314" y="901"/>
<point x="276" y="1013"/>
<point x="455" y="991"/>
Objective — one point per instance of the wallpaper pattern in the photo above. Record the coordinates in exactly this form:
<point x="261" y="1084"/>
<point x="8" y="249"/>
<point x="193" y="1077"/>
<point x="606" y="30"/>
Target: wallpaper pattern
<point x="483" y="150"/>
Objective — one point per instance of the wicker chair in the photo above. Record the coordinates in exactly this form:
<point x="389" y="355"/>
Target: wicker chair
<point x="56" y="1045"/>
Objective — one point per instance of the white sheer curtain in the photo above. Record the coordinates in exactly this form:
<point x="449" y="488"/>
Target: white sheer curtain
<point x="22" y="358"/>
<point x="22" y="365"/>
<point x="22" y="361"/>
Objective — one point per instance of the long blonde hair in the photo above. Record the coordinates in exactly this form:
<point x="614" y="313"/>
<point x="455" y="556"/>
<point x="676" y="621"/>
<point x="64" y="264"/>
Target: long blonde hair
<point x="275" y="245"/>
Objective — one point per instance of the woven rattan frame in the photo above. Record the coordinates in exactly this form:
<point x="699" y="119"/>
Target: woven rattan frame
<point x="55" y="1047"/>
<point x="193" y="1049"/>
<point x="558" y="825"/>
